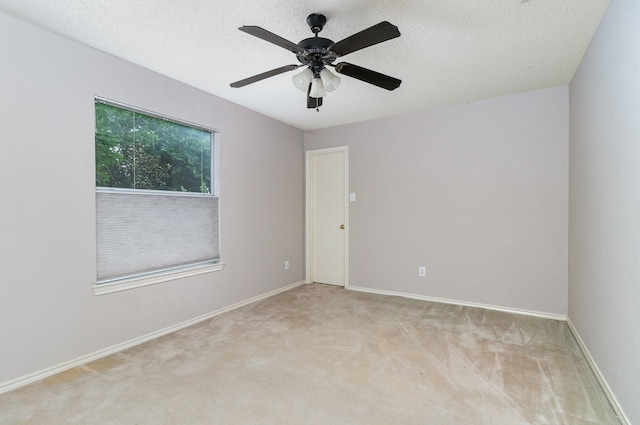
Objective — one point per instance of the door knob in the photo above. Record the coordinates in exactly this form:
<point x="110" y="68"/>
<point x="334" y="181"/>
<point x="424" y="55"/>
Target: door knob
<point x="342" y="226"/>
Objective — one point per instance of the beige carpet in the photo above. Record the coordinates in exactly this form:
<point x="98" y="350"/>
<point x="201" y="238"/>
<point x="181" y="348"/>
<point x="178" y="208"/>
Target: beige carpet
<point x="321" y="355"/>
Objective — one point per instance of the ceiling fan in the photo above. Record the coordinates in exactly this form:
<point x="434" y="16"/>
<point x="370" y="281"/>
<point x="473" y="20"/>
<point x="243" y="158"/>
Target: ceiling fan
<point x="316" y="53"/>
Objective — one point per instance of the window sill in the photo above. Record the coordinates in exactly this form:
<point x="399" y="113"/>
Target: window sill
<point x="136" y="282"/>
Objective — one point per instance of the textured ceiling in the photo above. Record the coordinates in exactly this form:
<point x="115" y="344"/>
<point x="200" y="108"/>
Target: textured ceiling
<point x="450" y="51"/>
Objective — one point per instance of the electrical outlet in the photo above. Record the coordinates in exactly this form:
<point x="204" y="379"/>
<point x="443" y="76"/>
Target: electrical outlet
<point x="286" y="264"/>
<point x="422" y="271"/>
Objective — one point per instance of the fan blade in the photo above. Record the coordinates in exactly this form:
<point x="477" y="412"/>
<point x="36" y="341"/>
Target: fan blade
<point x="368" y="76"/>
<point x="271" y="38"/>
<point x="313" y="102"/>
<point x="264" y="75"/>
<point x="376" y="34"/>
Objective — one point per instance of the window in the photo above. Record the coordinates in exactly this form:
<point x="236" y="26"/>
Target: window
<point x="156" y="197"/>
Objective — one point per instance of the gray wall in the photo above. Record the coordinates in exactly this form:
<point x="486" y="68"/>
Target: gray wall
<point x="477" y="193"/>
<point x="48" y="312"/>
<point x="604" y="212"/>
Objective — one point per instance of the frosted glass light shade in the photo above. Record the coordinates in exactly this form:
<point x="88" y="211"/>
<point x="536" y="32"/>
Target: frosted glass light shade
<point x="317" y="88"/>
<point x="329" y="80"/>
<point x="302" y="80"/>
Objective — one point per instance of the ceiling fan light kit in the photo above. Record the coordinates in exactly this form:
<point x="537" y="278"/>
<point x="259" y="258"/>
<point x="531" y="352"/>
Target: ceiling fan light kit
<point x="316" y="53"/>
<point x="329" y="79"/>
<point x="302" y="80"/>
<point x="317" y="88"/>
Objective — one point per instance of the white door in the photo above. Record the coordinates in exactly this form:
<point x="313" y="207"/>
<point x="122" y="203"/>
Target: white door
<point x="327" y="216"/>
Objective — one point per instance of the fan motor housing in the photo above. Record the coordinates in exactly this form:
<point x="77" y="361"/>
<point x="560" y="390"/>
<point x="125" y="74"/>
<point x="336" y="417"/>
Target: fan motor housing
<point x="316" y="53"/>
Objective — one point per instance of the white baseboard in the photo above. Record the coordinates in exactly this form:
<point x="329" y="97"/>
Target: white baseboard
<point x="461" y="303"/>
<point x="596" y="371"/>
<point x="33" y="377"/>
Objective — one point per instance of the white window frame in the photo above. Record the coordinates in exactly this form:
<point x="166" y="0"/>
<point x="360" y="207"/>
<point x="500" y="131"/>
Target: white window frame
<point x="131" y="281"/>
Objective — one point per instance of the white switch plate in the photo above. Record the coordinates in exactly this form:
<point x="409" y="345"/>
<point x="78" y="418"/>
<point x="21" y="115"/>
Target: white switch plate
<point x="422" y="271"/>
<point x="286" y="264"/>
<point x="352" y="197"/>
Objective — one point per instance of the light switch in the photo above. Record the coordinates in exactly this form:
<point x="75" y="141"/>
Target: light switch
<point x="352" y="197"/>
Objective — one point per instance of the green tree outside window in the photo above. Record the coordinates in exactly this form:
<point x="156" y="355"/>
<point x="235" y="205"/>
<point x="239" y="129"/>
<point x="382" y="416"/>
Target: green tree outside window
<point x="138" y="151"/>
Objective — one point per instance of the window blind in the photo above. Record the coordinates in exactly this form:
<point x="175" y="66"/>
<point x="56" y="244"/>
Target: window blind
<point x="142" y="232"/>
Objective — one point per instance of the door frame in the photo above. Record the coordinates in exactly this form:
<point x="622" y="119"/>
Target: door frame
<point x="309" y="210"/>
